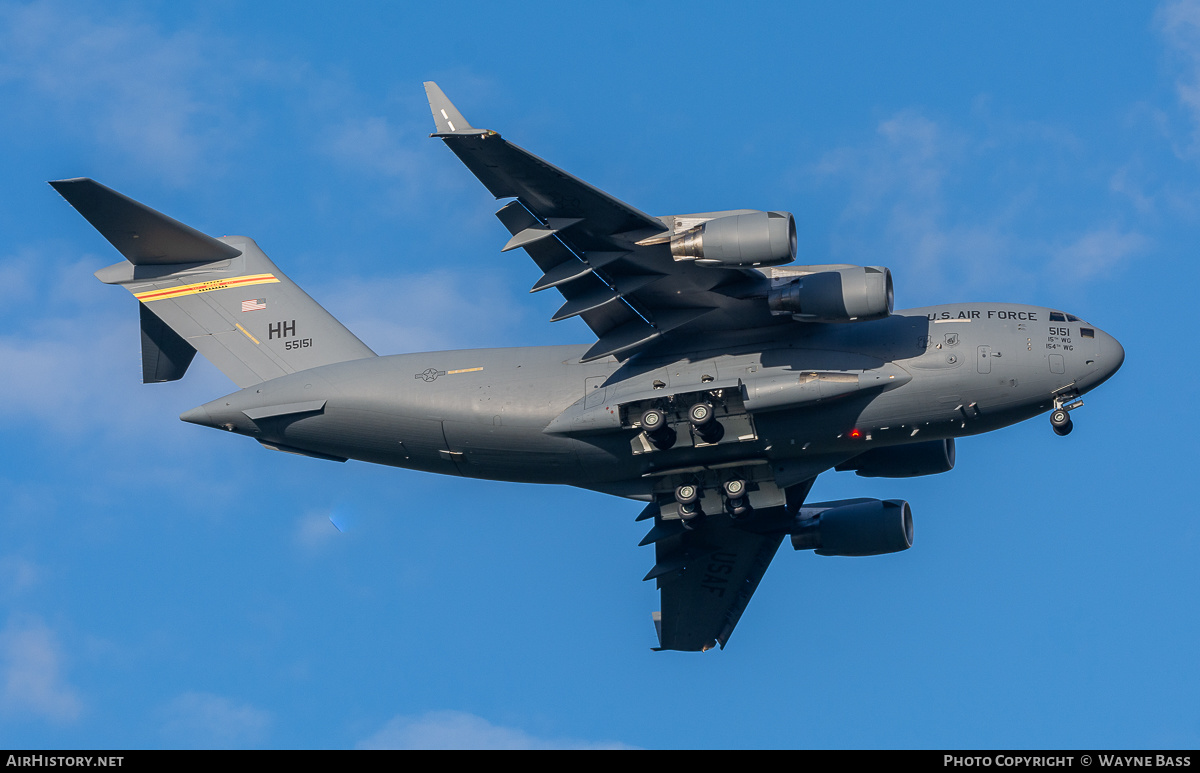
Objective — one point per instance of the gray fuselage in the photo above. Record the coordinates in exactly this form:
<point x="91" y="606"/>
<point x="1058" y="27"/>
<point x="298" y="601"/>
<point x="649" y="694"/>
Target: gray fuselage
<point x="918" y="375"/>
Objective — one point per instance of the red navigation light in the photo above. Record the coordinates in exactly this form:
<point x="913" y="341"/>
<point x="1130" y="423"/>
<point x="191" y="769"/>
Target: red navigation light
<point x="855" y="434"/>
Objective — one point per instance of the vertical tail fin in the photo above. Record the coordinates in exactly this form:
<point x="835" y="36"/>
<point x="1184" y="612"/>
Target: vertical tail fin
<point x="221" y="297"/>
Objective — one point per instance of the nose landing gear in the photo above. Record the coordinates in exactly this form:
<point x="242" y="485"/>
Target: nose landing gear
<point x="1060" y="417"/>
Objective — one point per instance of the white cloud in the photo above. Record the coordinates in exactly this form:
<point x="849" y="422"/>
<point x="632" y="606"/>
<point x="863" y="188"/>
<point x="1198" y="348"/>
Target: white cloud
<point x="177" y="104"/>
<point x="45" y="375"/>
<point x="898" y="212"/>
<point x="18" y="574"/>
<point x="424" y="312"/>
<point x="1180" y="25"/>
<point x="373" y="145"/>
<point x="1098" y="252"/>
<point x="394" y="159"/>
<point x="200" y="720"/>
<point x="31" y="679"/>
<point x="71" y="363"/>
<point x="460" y="730"/>
<point x="77" y="375"/>
<point x="964" y="210"/>
<point x="1128" y="181"/>
<point x="16" y="278"/>
<point x="315" y="530"/>
<point x="158" y="97"/>
<point x="28" y="504"/>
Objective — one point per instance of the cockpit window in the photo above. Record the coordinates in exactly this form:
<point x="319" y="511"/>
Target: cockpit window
<point x="1087" y="332"/>
<point x="1073" y="318"/>
<point x="1058" y="316"/>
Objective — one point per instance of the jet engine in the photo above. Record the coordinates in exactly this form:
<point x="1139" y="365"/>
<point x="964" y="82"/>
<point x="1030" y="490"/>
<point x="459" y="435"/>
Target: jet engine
<point x="849" y="294"/>
<point x="854" y="527"/>
<point x="737" y="241"/>
<point x="905" y="461"/>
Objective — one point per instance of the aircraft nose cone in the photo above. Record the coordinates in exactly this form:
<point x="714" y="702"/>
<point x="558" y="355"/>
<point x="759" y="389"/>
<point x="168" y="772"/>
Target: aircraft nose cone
<point x="1110" y="355"/>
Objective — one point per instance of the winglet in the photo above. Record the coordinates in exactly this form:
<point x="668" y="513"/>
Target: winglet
<point x="446" y="117"/>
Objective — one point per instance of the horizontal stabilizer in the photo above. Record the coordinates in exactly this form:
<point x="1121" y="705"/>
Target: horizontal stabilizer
<point x="143" y="235"/>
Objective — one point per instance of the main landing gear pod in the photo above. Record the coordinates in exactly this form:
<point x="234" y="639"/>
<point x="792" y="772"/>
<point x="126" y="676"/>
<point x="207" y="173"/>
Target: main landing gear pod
<point x="735" y="493"/>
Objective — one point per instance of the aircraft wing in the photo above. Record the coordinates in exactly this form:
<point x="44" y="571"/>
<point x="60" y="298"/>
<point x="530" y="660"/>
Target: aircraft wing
<point x="614" y="266"/>
<point x="707" y="573"/>
<point x="705" y="579"/>
<point x="611" y="262"/>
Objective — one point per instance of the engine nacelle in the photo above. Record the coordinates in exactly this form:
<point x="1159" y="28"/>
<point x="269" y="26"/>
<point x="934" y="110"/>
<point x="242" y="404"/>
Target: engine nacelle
<point x="905" y="461"/>
<point x="852" y="294"/>
<point x="854" y="527"/>
<point x="736" y="241"/>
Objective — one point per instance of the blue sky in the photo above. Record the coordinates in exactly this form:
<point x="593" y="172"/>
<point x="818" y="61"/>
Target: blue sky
<point x="165" y="585"/>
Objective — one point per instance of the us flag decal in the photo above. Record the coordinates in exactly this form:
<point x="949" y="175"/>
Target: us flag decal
<point x="255" y="305"/>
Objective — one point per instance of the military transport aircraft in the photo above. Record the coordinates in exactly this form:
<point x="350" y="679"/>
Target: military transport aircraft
<point x="720" y="385"/>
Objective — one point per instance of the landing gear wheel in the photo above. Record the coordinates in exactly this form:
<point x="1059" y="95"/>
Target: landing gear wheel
<point x="711" y="432"/>
<point x="1063" y="430"/>
<point x="654" y="424"/>
<point x="664" y="439"/>
<point x="690" y="515"/>
<point x="700" y="414"/>
<point x="702" y="417"/>
<point x="737" y="507"/>
<point x="687" y="494"/>
<point x="1060" y="420"/>
<point x="653" y="420"/>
